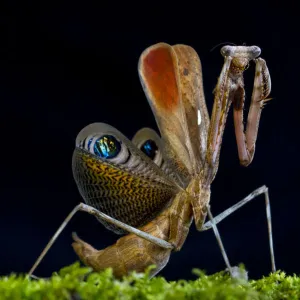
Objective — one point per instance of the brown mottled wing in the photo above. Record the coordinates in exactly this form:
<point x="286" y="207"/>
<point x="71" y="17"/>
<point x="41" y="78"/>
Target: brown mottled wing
<point x="192" y="96"/>
<point x="171" y="78"/>
<point x="128" y="187"/>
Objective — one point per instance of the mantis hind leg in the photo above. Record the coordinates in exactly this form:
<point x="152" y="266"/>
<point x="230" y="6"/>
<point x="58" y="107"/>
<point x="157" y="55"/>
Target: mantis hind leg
<point x="91" y="210"/>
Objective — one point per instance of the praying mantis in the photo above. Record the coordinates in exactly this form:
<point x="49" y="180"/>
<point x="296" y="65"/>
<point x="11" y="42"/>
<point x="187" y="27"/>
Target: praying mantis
<point x="152" y="188"/>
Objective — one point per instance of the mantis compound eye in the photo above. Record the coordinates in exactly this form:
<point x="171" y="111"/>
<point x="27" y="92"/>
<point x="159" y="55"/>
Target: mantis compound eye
<point x="149" y="148"/>
<point x="107" y="147"/>
<point x="227" y="51"/>
<point x="246" y="52"/>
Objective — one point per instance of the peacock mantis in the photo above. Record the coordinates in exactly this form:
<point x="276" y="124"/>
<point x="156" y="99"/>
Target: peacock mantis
<point x="152" y="188"/>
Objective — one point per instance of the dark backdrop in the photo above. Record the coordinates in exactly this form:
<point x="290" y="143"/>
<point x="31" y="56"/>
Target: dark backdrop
<point x="66" y="65"/>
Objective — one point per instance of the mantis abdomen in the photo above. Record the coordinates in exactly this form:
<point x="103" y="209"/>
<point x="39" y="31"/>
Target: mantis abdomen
<point x="132" y="253"/>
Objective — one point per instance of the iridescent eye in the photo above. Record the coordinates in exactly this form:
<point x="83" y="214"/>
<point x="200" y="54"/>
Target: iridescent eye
<point x="149" y="148"/>
<point x="107" y="147"/>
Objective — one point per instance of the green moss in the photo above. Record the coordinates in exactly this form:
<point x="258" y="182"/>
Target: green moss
<point x="75" y="282"/>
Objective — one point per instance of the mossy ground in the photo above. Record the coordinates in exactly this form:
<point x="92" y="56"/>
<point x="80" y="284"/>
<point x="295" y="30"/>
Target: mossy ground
<point x="75" y="282"/>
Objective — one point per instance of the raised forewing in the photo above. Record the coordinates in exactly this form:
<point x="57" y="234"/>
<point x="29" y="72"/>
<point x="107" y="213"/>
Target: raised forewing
<point x="172" y="81"/>
<point x="192" y="96"/>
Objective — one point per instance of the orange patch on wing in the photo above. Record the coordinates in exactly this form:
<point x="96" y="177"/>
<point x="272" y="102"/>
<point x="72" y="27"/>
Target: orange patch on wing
<point x="159" y="67"/>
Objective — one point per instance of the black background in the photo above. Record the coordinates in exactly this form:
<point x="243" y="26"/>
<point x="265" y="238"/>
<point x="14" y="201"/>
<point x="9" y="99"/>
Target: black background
<point x="65" y="65"/>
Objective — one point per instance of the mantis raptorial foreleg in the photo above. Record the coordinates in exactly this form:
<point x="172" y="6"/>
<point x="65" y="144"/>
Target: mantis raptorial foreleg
<point x="91" y="210"/>
<point x="230" y="210"/>
<point x="261" y="89"/>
